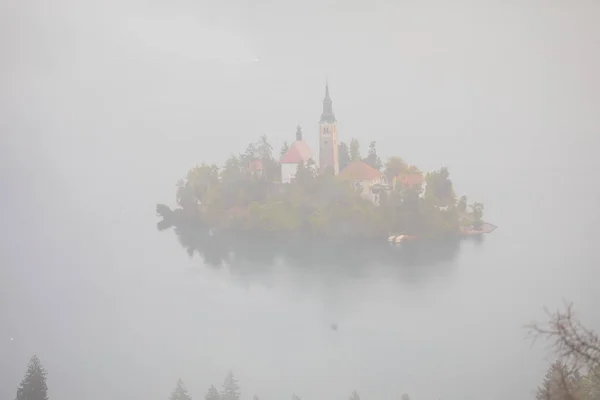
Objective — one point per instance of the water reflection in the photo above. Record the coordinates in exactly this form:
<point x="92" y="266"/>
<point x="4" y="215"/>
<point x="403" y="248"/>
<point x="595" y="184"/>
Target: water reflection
<point x="253" y="255"/>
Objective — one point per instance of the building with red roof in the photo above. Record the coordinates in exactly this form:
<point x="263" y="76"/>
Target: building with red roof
<point x="298" y="153"/>
<point x="365" y="179"/>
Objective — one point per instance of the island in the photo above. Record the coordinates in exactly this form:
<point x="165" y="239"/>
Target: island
<point x="344" y="198"/>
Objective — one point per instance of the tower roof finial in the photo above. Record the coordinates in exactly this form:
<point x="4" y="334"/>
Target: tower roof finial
<point x="327" y="115"/>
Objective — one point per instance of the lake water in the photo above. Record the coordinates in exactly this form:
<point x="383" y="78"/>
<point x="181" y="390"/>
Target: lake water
<point x="97" y="126"/>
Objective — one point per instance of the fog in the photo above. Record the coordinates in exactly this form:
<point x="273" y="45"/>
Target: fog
<point x="104" y="105"/>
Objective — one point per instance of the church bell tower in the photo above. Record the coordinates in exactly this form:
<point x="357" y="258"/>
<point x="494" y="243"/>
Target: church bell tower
<point x="328" y="137"/>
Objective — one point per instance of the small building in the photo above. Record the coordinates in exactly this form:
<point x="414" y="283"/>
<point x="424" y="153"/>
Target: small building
<point x="365" y="179"/>
<point x="298" y="153"/>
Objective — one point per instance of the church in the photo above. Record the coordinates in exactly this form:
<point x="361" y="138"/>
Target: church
<point x="366" y="179"/>
<point x="300" y="153"/>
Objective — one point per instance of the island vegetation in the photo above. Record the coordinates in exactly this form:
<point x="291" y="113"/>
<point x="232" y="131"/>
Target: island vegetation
<point x="245" y="197"/>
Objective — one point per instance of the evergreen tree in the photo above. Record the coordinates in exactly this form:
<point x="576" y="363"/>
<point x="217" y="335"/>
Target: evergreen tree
<point x="294" y="397"/>
<point x="343" y="155"/>
<point x="33" y="386"/>
<point x="405" y="397"/>
<point x="355" y="150"/>
<point x="354" y="396"/>
<point x="212" y="394"/>
<point x="255" y="397"/>
<point x="284" y="149"/>
<point x="372" y="158"/>
<point x="557" y="384"/>
<point x="180" y="392"/>
<point x="230" y="388"/>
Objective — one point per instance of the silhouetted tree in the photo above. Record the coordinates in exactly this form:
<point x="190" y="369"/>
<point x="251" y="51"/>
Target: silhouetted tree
<point x="394" y="167"/>
<point x="354" y="396"/>
<point x="34" y="386"/>
<point x="355" y="150"/>
<point x="462" y="204"/>
<point x="372" y="158"/>
<point x="212" y="393"/>
<point x="577" y="348"/>
<point x="230" y="388"/>
<point x="284" y="149"/>
<point x="180" y="392"/>
<point x="343" y="155"/>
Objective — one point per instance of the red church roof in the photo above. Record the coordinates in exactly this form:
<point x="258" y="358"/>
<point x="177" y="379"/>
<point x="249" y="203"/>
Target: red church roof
<point x="360" y="171"/>
<point x="297" y="153"/>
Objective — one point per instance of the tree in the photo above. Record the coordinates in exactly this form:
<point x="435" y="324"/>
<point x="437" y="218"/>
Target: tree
<point x="577" y="348"/>
<point x="284" y="149"/>
<point x="405" y="397"/>
<point x="590" y="385"/>
<point x="557" y="384"/>
<point x="462" y="204"/>
<point x="34" y="386"/>
<point x="294" y="397"/>
<point x="575" y="345"/>
<point x="230" y="388"/>
<point x="354" y="150"/>
<point x="394" y="167"/>
<point x="180" y="392"/>
<point x="354" y="396"/>
<point x="212" y="393"/>
<point x="477" y="214"/>
<point x="255" y="397"/>
<point x="264" y="148"/>
<point x="372" y="158"/>
<point x="343" y="155"/>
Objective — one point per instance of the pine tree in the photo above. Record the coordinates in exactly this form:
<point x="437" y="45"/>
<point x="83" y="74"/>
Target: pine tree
<point x="284" y="149"/>
<point x="405" y="397"/>
<point x="355" y="150"/>
<point x="33" y="386"/>
<point x="557" y="384"/>
<point x="230" y="388"/>
<point x="294" y="397"/>
<point x="255" y="397"/>
<point x="354" y="396"/>
<point x="180" y="392"/>
<point x="372" y="158"/>
<point x="212" y="394"/>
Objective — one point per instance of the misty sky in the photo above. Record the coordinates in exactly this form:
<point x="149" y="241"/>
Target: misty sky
<point x="104" y="105"/>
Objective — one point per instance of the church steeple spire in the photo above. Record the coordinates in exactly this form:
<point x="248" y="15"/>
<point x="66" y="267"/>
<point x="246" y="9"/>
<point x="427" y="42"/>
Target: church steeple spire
<point x="327" y="115"/>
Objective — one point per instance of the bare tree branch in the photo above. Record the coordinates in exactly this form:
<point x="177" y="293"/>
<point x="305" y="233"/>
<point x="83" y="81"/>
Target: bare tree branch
<point x="574" y="344"/>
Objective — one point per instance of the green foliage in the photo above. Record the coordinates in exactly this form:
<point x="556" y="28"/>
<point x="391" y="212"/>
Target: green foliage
<point x="439" y="187"/>
<point x="394" y="167"/>
<point x="34" y="386"/>
<point x="477" y="213"/>
<point x="235" y="198"/>
<point x="180" y="392"/>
